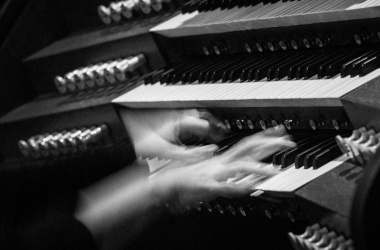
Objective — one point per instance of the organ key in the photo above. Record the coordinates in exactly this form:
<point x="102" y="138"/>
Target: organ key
<point x="260" y="15"/>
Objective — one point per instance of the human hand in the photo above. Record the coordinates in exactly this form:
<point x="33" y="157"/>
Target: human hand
<point x="155" y="133"/>
<point x="128" y="194"/>
<point x="258" y="146"/>
<point x="212" y="178"/>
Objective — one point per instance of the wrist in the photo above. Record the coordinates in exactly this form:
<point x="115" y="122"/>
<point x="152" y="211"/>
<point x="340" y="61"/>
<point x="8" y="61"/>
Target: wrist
<point x="164" y="189"/>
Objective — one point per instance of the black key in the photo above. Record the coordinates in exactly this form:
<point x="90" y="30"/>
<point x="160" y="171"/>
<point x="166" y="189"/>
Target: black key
<point x="301" y="156"/>
<point x="207" y="5"/>
<point x="202" y="5"/>
<point x="293" y="69"/>
<point x="308" y="160"/>
<point x="164" y="78"/>
<point x="231" y="4"/>
<point x="216" y="74"/>
<point x="312" y="69"/>
<point x="148" y="79"/>
<point x="282" y="71"/>
<point x="356" y="66"/>
<point x="241" y="3"/>
<point x="271" y="71"/>
<point x="203" y="75"/>
<point x="326" y="156"/>
<point x="262" y="71"/>
<point x="313" y="58"/>
<point x="245" y="73"/>
<point x="334" y="68"/>
<point x="224" y="4"/>
<point x="190" y="6"/>
<point x="152" y="76"/>
<point x="348" y="67"/>
<point x="300" y="140"/>
<point x="297" y="137"/>
<point x="214" y="4"/>
<point x="178" y="74"/>
<point x="369" y="66"/>
<point x="157" y="76"/>
<point x="194" y="75"/>
<point x="246" y="3"/>
<point x="276" y="158"/>
<point x="234" y="73"/>
<point x="191" y="75"/>
<point x="322" y="68"/>
<point x="168" y="76"/>
<point x="289" y="157"/>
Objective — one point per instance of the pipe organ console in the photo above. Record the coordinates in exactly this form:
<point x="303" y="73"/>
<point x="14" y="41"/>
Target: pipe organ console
<point x="259" y="64"/>
<point x="311" y="66"/>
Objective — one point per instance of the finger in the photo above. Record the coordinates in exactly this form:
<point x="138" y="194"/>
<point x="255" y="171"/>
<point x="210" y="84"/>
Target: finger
<point x="270" y="147"/>
<point x="256" y="149"/>
<point x="254" y="141"/>
<point x="253" y="168"/>
<point x="266" y="134"/>
<point x="275" y="131"/>
<point x="252" y="180"/>
<point x="231" y="173"/>
<point x="229" y="190"/>
<point x="196" y="154"/>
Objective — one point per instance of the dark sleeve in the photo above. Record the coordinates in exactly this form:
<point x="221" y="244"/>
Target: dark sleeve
<point x="32" y="177"/>
<point x="27" y="188"/>
<point x="57" y="231"/>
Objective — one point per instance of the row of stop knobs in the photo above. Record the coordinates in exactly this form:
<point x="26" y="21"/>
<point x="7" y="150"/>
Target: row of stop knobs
<point x="317" y="237"/>
<point x="246" y="123"/>
<point x="218" y="206"/>
<point x="307" y="42"/>
<point x="100" y="74"/>
<point x="288" y="44"/>
<point x="62" y="142"/>
<point x="237" y="207"/>
<point x="320" y="41"/>
<point x="116" y="11"/>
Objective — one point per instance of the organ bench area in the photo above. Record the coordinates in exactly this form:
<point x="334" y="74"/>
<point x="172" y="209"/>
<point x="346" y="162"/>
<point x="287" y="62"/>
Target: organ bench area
<point x="312" y="66"/>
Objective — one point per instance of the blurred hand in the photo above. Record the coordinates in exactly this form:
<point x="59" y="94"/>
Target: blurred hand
<point x="128" y="194"/>
<point x="209" y="179"/>
<point x="155" y="133"/>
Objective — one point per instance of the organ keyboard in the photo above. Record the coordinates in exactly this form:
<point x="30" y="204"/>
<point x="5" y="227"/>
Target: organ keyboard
<point x="262" y="15"/>
<point x="258" y="64"/>
<point x="312" y="92"/>
<point x="312" y="66"/>
<point x="293" y="178"/>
